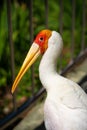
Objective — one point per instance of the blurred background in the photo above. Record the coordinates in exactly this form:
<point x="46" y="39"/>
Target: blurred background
<point x="20" y="21"/>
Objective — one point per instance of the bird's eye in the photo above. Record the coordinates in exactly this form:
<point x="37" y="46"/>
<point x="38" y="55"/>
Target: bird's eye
<point x="41" y="38"/>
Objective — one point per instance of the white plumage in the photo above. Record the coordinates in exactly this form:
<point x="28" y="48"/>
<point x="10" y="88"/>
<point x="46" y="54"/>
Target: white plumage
<point x="66" y="103"/>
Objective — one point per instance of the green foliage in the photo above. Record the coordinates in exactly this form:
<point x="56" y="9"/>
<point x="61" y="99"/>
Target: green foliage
<point x="4" y="47"/>
<point x="3" y="34"/>
<point x="20" y="22"/>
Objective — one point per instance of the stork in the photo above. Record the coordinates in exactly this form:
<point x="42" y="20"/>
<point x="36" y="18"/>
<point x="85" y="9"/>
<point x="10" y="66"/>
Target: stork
<point x="66" y="103"/>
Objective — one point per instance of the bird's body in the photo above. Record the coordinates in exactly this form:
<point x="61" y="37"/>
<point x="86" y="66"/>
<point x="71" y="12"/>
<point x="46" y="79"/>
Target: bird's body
<point x="66" y="103"/>
<point x="65" y="108"/>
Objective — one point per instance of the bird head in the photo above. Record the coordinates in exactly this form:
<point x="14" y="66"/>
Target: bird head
<point x="38" y="47"/>
<point x="42" y="40"/>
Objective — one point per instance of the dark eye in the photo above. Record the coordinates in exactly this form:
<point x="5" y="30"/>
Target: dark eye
<point x="41" y="39"/>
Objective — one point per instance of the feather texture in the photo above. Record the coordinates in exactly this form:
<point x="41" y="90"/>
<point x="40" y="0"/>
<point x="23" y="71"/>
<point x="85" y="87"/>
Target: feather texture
<point x="66" y="103"/>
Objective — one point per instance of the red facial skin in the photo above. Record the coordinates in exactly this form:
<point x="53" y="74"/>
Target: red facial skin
<point x="42" y="40"/>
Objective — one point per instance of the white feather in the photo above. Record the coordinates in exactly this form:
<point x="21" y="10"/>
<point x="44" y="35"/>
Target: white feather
<point x="66" y="103"/>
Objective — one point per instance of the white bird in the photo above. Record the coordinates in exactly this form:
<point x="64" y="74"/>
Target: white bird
<point x="66" y="103"/>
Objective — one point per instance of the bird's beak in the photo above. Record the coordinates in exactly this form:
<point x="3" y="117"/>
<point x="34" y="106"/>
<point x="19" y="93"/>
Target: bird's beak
<point x="31" y="57"/>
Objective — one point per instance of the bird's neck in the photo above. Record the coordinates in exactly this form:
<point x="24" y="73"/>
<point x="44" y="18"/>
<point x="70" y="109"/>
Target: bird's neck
<point x="48" y="66"/>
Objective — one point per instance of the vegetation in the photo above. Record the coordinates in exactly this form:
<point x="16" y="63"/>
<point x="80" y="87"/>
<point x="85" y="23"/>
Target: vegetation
<point x="21" y="36"/>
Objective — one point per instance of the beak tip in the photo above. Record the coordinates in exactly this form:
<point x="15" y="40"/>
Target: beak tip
<point x="12" y="91"/>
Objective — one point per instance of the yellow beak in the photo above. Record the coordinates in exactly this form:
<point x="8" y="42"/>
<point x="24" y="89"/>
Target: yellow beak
<point x="31" y="57"/>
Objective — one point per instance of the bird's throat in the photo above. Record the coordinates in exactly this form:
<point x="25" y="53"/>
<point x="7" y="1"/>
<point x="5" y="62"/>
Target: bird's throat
<point x="48" y="65"/>
<point x="48" y="68"/>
